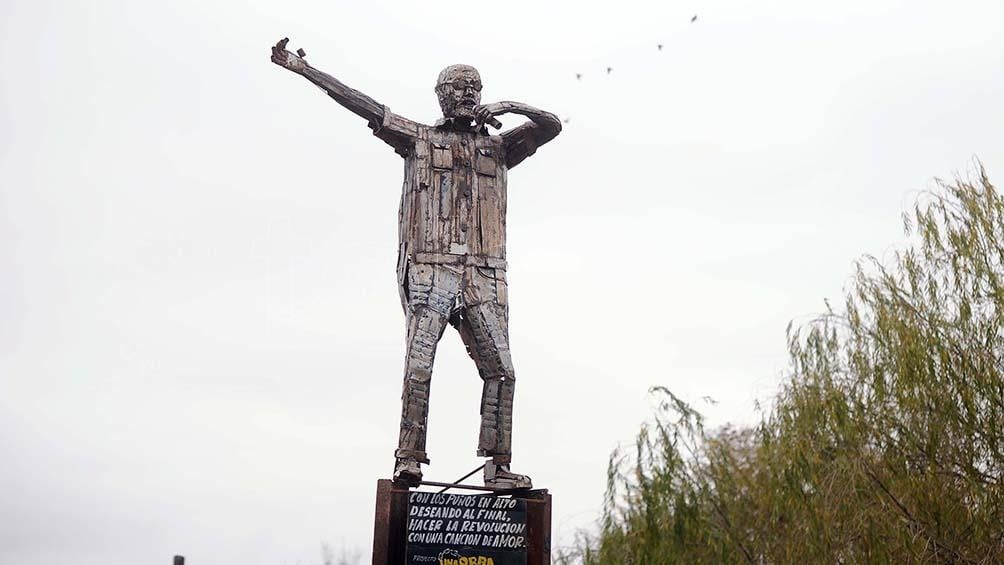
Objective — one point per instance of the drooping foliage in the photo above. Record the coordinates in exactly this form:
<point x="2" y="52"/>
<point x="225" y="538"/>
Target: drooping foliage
<point x="885" y="444"/>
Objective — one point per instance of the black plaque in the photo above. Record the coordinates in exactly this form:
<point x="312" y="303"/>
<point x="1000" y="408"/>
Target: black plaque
<point x="458" y="529"/>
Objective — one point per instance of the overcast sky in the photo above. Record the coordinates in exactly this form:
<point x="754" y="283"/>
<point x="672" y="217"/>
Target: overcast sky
<point x="201" y="343"/>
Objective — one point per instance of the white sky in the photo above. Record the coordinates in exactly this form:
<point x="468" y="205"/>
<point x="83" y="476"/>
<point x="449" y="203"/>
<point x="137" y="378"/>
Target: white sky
<point x="201" y="344"/>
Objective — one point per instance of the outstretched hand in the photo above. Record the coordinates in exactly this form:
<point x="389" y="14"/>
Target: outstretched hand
<point x="293" y="62"/>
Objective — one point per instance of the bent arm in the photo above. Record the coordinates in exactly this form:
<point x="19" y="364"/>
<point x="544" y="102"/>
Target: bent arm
<point x="544" y="126"/>
<point x="523" y="141"/>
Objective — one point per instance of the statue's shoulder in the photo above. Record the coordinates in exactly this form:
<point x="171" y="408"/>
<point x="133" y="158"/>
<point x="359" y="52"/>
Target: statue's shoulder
<point x="399" y="125"/>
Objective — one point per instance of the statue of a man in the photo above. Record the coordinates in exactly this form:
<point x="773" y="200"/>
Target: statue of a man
<point x="451" y="255"/>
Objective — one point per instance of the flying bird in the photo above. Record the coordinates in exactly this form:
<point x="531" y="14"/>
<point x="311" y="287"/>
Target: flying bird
<point x="578" y="76"/>
<point x="609" y="69"/>
<point x="659" y="46"/>
<point x="567" y="120"/>
<point x="693" y="19"/>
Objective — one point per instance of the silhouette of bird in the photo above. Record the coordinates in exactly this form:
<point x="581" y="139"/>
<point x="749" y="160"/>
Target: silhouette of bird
<point x="693" y="19"/>
<point x="659" y="46"/>
<point x="567" y="120"/>
<point x="609" y="69"/>
<point x="578" y="76"/>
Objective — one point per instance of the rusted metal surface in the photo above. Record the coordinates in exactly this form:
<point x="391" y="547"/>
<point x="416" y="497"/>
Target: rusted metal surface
<point x="462" y="479"/>
<point x="390" y="523"/>
<point x="489" y="489"/>
<point x="538" y="512"/>
<point x="451" y="247"/>
<point x="381" y="523"/>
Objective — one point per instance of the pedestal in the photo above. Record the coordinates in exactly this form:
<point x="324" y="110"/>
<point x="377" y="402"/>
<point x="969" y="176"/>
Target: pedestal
<point x="499" y="527"/>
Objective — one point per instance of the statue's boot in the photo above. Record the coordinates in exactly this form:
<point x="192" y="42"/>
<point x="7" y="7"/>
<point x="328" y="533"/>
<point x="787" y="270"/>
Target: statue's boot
<point x="499" y="476"/>
<point x="407" y="471"/>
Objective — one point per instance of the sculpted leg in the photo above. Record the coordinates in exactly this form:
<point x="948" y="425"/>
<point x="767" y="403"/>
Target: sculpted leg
<point x="484" y="331"/>
<point x="431" y="293"/>
<point x="425" y="328"/>
<point x="484" y="327"/>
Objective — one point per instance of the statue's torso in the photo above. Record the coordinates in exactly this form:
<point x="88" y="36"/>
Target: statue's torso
<point x="453" y="201"/>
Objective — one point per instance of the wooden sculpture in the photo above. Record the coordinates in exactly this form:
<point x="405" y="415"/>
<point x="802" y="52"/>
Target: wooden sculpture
<point x="451" y="255"/>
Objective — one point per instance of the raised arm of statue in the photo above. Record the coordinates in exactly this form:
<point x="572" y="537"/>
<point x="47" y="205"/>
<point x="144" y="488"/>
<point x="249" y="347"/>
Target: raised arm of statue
<point x="360" y="104"/>
<point x="522" y="141"/>
<point x="396" y="131"/>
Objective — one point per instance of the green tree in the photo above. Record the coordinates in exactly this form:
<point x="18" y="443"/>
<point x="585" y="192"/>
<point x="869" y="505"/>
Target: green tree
<point x="884" y="444"/>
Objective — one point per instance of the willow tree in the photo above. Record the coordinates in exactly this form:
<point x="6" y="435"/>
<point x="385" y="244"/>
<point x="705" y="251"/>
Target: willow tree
<point x="885" y="443"/>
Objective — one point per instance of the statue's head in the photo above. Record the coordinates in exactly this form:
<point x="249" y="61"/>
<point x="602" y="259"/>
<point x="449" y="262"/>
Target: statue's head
<point x="459" y="91"/>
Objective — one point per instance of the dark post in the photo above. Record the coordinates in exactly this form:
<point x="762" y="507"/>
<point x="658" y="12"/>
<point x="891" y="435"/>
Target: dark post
<point x="538" y="518"/>
<point x="390" y="523"/>
<point x="179" y="560"/>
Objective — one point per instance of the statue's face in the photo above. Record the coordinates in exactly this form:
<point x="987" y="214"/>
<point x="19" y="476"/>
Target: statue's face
<point x="459" y="91"/>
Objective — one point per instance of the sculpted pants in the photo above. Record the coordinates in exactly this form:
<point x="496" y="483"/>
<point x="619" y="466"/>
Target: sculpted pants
<point x="472" y="299"/>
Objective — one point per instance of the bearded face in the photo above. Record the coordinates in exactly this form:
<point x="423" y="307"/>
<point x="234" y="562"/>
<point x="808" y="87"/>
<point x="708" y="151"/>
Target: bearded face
<point x="459" y="91"/>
